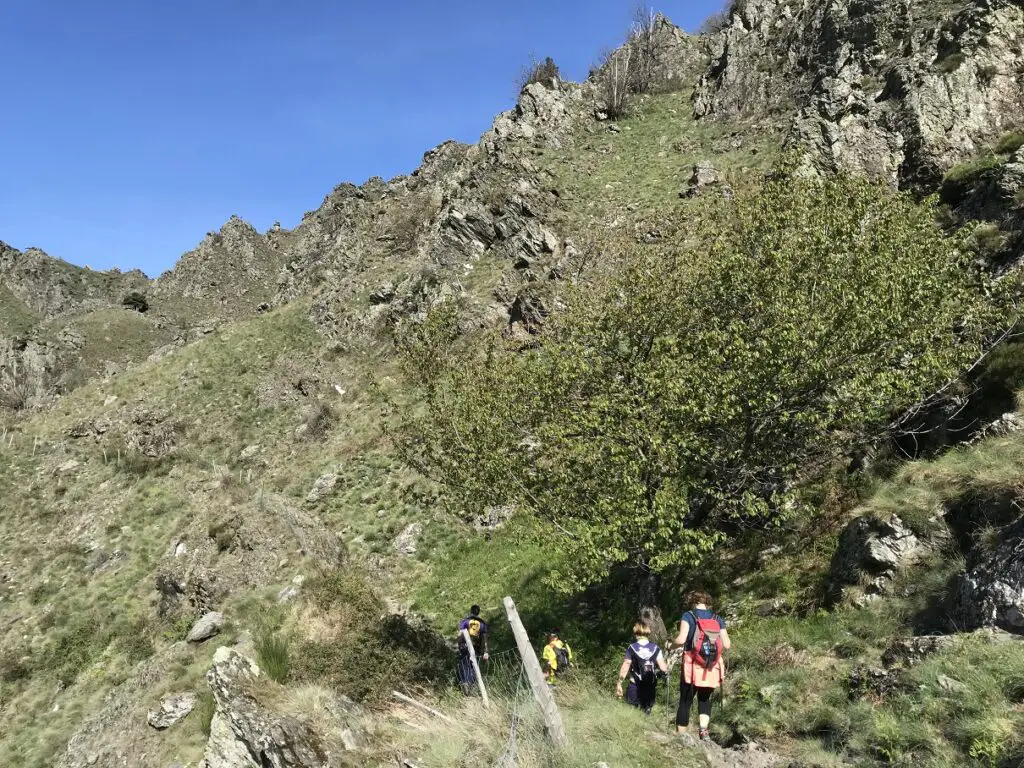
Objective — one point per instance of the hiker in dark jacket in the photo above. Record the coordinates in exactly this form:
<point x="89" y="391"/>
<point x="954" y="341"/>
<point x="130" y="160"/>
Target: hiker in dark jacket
<point x="477" y="630"/>
<point x="704" y="639"/>
<point x="644" y="660"/>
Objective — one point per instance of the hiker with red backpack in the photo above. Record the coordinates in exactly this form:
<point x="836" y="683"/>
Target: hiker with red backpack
<point x="704" y="640"/>
<point x="643" y="664"/>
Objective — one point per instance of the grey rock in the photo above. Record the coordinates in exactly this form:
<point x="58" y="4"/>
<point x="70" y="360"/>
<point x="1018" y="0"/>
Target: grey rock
<point x="913" y="650"/>
<point x="703" y="178"/>
<point x="322" y="488"/>
<point x="208" y="626"/>
<point x="173" y="709"/>
<point x="991" y="593"/>
<point x="777" y="607"/>
<point x="949" y="685"/>
<point x="245" y="733"/>
<point x="406" y="542"/>
<point x="873" y="549"/>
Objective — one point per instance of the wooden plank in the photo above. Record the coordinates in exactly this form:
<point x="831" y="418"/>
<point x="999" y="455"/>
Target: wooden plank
<point x="476" y="668"/>
<point x="541" y="692"/>
<point x="421" y="707"/>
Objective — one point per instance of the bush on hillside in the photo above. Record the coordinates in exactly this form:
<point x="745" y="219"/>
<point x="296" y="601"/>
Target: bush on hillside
<point x="543" y="72"/>
<point x="136" y="301"/>
<point x="693" y="385"/>
<point x="961" y="180"/>
<point x="363" y="651"/>
<point x="1009" y="143"/>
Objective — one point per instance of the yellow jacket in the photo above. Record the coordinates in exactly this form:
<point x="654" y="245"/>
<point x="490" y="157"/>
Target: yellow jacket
<point x="551" y="658"/>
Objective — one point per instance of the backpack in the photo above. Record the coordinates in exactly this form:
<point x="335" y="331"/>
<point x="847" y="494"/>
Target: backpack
<point x="562" y="659"/>
<point x="644" y="665"/>
<point x="706" y="642"/>
<point x="474" y="627"/>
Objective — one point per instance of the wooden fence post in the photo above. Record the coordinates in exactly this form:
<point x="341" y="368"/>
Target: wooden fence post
<point x="476" y="668"/>
<point x="541" y="692"/>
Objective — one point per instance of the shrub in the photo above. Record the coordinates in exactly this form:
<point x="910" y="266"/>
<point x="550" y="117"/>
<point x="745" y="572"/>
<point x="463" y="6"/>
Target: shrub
<point x="205" y="709"/>
<point x="613" y="77"/>
<point x="716" y="22"/>
<point x="367" y="653"/>
<point x="949" y="64"/>
<point x="272" y="652"/>
<point x="962" y="179"/>
<point x="543" y="72"/>
<point x="319" y="421"/>
<point x="1009" y="143"/>
<point x="136" y="301"/>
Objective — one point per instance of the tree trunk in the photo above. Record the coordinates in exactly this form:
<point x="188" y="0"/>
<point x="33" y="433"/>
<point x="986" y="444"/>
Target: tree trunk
<point x="648" y="591"/>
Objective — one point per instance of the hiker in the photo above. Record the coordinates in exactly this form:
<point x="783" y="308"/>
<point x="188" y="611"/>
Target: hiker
<point x="477" y="629"/>
<point x="557" y="657"/>
<point x="642" y="665"/>
<point x="704" y="639"/>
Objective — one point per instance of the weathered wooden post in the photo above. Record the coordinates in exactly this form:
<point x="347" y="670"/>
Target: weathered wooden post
<point x="541" y="692"/>
<point x="476" y="668"/>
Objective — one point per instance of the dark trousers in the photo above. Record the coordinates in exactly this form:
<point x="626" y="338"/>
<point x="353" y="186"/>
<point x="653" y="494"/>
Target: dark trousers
<point x="464" y="672"/>
<point x="687" y="692"/>
<point x="642" y="696"/>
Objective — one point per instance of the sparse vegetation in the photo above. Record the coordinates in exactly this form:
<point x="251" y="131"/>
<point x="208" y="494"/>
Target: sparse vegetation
<point x="1009" y="143"/>
<point x="273" y="653"/>
<point x="544" y="72"/>
<point x="136" y="301"/>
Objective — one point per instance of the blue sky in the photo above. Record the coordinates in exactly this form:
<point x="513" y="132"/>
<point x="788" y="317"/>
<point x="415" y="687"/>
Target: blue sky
<point x="131" y="128"/>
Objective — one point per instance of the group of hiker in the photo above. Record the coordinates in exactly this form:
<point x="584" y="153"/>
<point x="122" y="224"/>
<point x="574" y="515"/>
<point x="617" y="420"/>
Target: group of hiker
<point x="699" y="648"/>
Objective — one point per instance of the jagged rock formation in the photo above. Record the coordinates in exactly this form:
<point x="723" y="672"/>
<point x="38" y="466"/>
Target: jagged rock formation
<point x="872" y="550"/>
<point x="245" y="733"/>
<point x="903" y="90"/>
<point x="991" y="593"/>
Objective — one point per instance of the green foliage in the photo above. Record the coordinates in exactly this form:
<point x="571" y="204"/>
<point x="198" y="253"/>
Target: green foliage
<point x="962" y="179"/>
<point x="137" y="301"/>
<point x="693" y="381"/>
<point x="543" y="72"/>
<point x="273" y="652"/>
<point x="205" y="708"/>
<point x="1009" y="143"/>
<point x="369" y="652"/>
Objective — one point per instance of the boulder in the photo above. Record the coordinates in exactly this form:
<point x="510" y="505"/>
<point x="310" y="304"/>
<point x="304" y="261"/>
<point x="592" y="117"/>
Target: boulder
<point x="208" y="626"/>
<point x="991" y="593"/>
<point x="245" y="733"/>
<point x="173" y="709"/>
<point x="407" y="541"/>
<point x="913" y="650"/>
<point x="322" y="488"/>
<point x="873" y="549"/>
<point x="704" y="177"/>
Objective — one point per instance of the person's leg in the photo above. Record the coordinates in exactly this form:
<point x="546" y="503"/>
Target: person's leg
<point x="465" y="674"/>
<point x="704" y="707"/>
<point x="645" y="696"/>
<point x="686" y="693"/>
<point x="632" y="695"/>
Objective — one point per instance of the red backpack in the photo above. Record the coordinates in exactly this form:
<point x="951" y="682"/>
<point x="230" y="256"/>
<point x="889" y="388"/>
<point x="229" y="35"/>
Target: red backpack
<point x="706" y="647"/>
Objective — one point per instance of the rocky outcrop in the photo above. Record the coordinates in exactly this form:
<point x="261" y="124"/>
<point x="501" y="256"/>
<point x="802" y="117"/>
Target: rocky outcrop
<point x="172" y="710"/>
<point x="902" y="91"/>
<point x="208" y="625"/>
<point x="246" y="733"/>
<point x="872" y="551"/>
<point x="991" y="593"/>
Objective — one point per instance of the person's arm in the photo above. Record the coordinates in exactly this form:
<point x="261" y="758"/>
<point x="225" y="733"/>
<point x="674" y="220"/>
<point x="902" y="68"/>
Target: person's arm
<point x="726" y="642"/>
<point x="662" y="664"/>
<point x="623" y="671"/>
<point x="684" y="633"/>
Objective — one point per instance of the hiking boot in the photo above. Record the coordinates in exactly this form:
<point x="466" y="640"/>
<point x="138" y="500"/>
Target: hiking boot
<point x="704" y="736"/>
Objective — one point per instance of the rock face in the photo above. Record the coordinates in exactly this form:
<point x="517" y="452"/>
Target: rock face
<point x="900" y="90"/>
<point x="407" y="541"/>
<point x="991" y="593"/>
<point x="872" y="549"/>
<point x="172" y="710"/>
<point x="322" y="488"/>
<point x="704" y="177"/>
<point x="244" y="733"/>
<point x="208" y="626"/>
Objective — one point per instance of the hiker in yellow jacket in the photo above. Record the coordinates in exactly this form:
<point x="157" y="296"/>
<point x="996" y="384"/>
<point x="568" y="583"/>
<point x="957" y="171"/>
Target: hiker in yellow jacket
<point x="557" y="657"/>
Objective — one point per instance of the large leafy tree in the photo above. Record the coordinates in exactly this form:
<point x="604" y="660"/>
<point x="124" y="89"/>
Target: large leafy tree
<point x="691" y="385"/>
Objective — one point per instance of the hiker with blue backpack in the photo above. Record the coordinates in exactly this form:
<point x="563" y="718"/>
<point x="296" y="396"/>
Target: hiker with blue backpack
<point x="643" y="664"/>
<point x="704" y="640"/>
